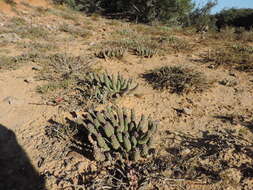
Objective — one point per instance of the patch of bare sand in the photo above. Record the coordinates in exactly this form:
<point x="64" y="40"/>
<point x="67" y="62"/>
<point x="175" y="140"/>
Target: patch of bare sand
<point x="9" y="10"/>
<point x="18" y="99"/>
<point x="6" y="9"/>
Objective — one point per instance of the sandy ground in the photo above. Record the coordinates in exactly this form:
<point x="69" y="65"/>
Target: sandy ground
<point x="20" y="104"/>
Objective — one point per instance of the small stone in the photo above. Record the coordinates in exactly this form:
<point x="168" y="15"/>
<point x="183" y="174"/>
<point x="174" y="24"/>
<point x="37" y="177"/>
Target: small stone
<point x="40" y="161"/>
<point x="29" y="80"/>
<point x="228" y="82"/>
<point x="12" y="100"/>
<point x="92" y="44"/>
<point x="35" y="68"/>
<point x="93" y="167"/>
<point x="185" y="152"/>
<point x="232" y="74"/>
<point x="211" y="66"/>
<point x="187" y="111"/>
<point x="71" y="167"/>
<point x="178" y="138"/>
<point x="139" y="95"/>
<point x="82" y="166"/>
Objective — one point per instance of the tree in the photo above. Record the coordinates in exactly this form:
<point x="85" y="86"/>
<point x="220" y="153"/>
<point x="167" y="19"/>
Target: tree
<point x="201" y="17"/>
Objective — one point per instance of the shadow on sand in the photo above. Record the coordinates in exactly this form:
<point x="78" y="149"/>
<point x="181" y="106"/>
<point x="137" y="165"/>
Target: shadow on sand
<point x="16" y="171"/>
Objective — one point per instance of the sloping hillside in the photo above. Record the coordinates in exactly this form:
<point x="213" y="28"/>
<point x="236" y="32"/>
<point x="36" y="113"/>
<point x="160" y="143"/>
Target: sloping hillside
<point x="197" y="87"/>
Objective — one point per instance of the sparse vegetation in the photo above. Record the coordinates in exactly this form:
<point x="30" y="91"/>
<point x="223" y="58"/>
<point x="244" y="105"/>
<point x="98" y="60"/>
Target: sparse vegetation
<point x="177" y="79"/>
<point x="62" y="72"/>
<point x="53" y="86"/>
<point x="65" y="13"/>
<point x="13" y="62"/>
<point x="75" y="31"/>
<point x="39" y="47"/>
<point x="32" y="32"/>
<point x="239" y="57"/>
<point x="7" y="63"/>
<point x="144" y="46"/>
<point x="245" y="36"/>
<point x="18" y="21"/>
<point x="10" y="2"/>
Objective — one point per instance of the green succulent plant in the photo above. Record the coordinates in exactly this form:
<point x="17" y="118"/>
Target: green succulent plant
<point x="114" y="131"/>
<point x="145" y="51"/>
<point x="117" y="52"/>
<point x="104" y="86"/>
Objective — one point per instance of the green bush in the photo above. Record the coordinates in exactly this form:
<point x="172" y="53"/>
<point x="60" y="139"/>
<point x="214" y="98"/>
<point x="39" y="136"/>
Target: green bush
<point x="235" y="18"/>
<point x="169" y="11"/>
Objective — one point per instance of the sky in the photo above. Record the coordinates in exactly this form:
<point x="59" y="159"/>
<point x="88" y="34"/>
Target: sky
<point x="227" y="4"/>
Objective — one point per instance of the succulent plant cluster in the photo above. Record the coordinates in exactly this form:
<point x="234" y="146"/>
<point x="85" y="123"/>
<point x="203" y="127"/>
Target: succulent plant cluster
<point x="145" y="52"/>
<point x="106" y="86"/>
<point x="117" y="52"/>
<point x="114" y="131"/>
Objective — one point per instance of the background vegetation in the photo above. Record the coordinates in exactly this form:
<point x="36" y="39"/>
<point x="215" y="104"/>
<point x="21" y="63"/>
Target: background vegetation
<point x="172" y="12"/>
<point x="235" y="17"/>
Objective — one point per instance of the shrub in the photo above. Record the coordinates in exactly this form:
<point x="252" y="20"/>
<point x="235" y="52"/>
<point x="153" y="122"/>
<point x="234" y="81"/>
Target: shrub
<point x="245" y="36"/>
<point x="169" y="11"/>
<point x="235" y="18"/>
<point x="177" y="79"/>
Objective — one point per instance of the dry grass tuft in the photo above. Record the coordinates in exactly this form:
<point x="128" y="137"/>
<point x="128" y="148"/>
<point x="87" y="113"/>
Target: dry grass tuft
<point x="33" y="32"/>
<point x="14" y="62"/>
<point x="177" y="79"/>
<point x="39" y="47"/>
<point x="62" y="72"/>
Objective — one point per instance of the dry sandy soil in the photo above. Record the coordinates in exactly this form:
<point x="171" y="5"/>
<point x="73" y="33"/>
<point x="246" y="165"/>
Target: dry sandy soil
<point x="218" y="121"/>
